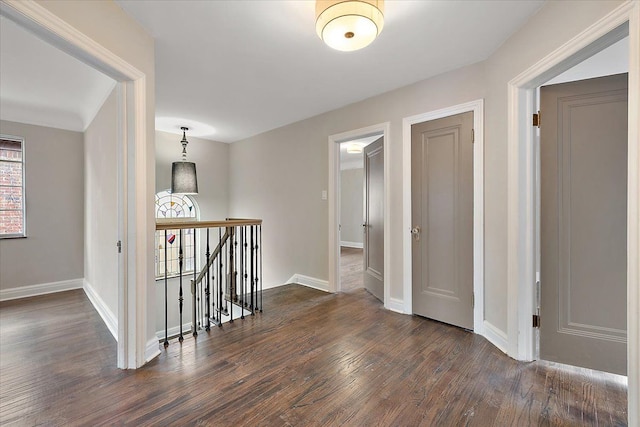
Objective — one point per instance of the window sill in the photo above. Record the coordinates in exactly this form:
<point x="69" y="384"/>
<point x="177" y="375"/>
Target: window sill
<point x="7" y="237"/>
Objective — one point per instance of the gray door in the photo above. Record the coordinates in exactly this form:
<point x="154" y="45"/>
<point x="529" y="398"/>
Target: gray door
<point x="583" y="223"/>
<point x="373" y="225"/>
<point x="442" y="218"/>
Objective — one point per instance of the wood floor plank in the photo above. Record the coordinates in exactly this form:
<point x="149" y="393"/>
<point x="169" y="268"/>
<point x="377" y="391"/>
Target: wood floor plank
<point x="311" y="359"/>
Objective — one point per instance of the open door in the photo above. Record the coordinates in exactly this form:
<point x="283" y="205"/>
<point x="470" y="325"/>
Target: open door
<point x="373" y="225"/>
<point x="583" y="223"/>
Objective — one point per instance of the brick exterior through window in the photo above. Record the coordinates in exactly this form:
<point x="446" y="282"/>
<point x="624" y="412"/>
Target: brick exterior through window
<point x="11" y="187"/>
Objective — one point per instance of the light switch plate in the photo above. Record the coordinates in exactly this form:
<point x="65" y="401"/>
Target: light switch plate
<point x="324" y="194"/>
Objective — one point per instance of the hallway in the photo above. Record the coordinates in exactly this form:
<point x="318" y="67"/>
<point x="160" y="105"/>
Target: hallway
<point x="311" y="359"/>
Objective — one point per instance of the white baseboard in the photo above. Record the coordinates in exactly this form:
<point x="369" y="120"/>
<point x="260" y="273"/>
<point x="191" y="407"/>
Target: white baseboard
<point x="40" y="289"/>
<point x="152" y="350"/>
<point x="174" y="331"/>
<point x="396" y="305"/>
<point x="351" y="245"/>
<point x="103" y="310"/>
<point x="310" y="282"/>
<point x="495" y="336"/>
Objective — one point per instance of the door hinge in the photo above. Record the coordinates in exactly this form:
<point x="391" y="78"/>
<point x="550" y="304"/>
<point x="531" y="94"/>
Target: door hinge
<point x="473" y="300"/>
<point x="536" y="119"/>
<point x="536" y="320"/>
<point x="473" y="136"/>
<point x="119" y="245"/>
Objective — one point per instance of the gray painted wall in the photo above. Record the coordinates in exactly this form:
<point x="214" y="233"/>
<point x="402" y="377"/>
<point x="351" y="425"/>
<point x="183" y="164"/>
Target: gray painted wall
<point x="351" y="200"/>
<point x="53" y="249"/>
<point x="212" y="166"/>
<point x="101" y="204"/>
<point x="279" y="175"/>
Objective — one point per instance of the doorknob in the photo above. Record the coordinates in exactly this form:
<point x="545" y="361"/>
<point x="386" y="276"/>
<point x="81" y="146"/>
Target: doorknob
<point x="415" y="232"/>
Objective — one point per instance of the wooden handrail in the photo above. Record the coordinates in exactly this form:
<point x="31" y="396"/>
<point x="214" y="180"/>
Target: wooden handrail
<point x="212" y="256"/>
<point x="181" y="223"/>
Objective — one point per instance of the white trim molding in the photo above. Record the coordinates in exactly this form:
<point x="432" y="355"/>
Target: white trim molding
<point x="103" y="310"/>
<point x="397" y="305"/>
<point x="334" y="203"/>
<point x="310" y="282"/>
<point x="152" y="349"/>
<point x="355" y="245"/>
<point x="477" y="107"/>
<point x="623" y="20"/>
<point x="495" y="336"/>
<point x="39" y="289"/>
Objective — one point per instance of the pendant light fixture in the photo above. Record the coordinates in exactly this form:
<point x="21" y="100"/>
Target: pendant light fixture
<point x="183" y="173"/>
<point x="349" y="25"/>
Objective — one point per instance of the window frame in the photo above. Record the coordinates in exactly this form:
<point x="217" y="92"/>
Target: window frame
<point x="196" y="255"/>
<point x="22" y="141"/>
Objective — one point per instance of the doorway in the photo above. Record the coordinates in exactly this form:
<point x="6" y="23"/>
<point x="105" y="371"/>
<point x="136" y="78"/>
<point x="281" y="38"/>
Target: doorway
<point x="352" y="202"/>
<point x="339" y="236"/>
<point x="623" y="21"/>
<point x="135" y="262"/>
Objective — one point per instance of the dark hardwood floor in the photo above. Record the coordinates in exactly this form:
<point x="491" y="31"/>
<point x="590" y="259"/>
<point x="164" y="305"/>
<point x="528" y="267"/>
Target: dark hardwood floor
<point x="351" y="269"/>
<point x="311" y="359"/>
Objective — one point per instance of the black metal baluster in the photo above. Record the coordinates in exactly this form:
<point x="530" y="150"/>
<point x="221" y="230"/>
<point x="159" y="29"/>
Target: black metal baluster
<point x="231" y="272"/>
<point x="260" y="258"/>
<point x="253" y="270"/>
<point x="166" y="300"/>
<point x="195" y="295"/>
<point x="220" y="278"/>
<point x="207" y="284"/>
<point x="243" y="272"/>
<point x="180" y="296"/>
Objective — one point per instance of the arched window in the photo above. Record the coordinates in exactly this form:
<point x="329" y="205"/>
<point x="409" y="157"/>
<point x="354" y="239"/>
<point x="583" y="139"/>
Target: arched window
<point x="170" y="206"/>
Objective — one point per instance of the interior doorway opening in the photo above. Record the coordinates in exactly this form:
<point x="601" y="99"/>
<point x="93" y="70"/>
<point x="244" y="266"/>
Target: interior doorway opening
<point x="623" y="21"/>
<point x="352" y="200"/>
<point x="365" y="136"/>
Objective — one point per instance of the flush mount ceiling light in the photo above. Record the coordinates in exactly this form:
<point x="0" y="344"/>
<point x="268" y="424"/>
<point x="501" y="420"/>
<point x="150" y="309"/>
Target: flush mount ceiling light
<point x="183" y="173"/>
<point x="349" y="25"/>
<point x="354" y="148"/>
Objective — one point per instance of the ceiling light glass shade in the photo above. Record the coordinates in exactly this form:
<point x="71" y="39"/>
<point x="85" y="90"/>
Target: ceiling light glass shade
<point x="354" y="148"/>
<point x="349" y="25"/>
<point x="183" y="178"/>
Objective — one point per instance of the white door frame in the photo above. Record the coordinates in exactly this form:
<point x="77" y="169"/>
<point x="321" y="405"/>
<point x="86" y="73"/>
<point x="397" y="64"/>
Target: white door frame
<point x="477" y="107"/>
<point x="334" y="206"/>
<point x="521" y="182"/>
<point x="132" y="171"/>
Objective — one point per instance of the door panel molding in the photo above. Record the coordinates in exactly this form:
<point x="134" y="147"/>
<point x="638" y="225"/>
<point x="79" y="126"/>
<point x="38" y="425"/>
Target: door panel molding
<point x="477" y="107"/>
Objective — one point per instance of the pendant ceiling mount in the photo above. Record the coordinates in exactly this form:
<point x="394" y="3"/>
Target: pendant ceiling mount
<point x="183" y="173"/>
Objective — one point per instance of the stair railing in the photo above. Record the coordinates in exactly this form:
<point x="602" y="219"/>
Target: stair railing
<point x="231" y="274"/>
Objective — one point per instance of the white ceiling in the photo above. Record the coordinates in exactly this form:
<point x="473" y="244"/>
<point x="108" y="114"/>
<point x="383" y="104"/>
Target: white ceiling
<point x="239" y="68"/>
<point x="44" y="86"/>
